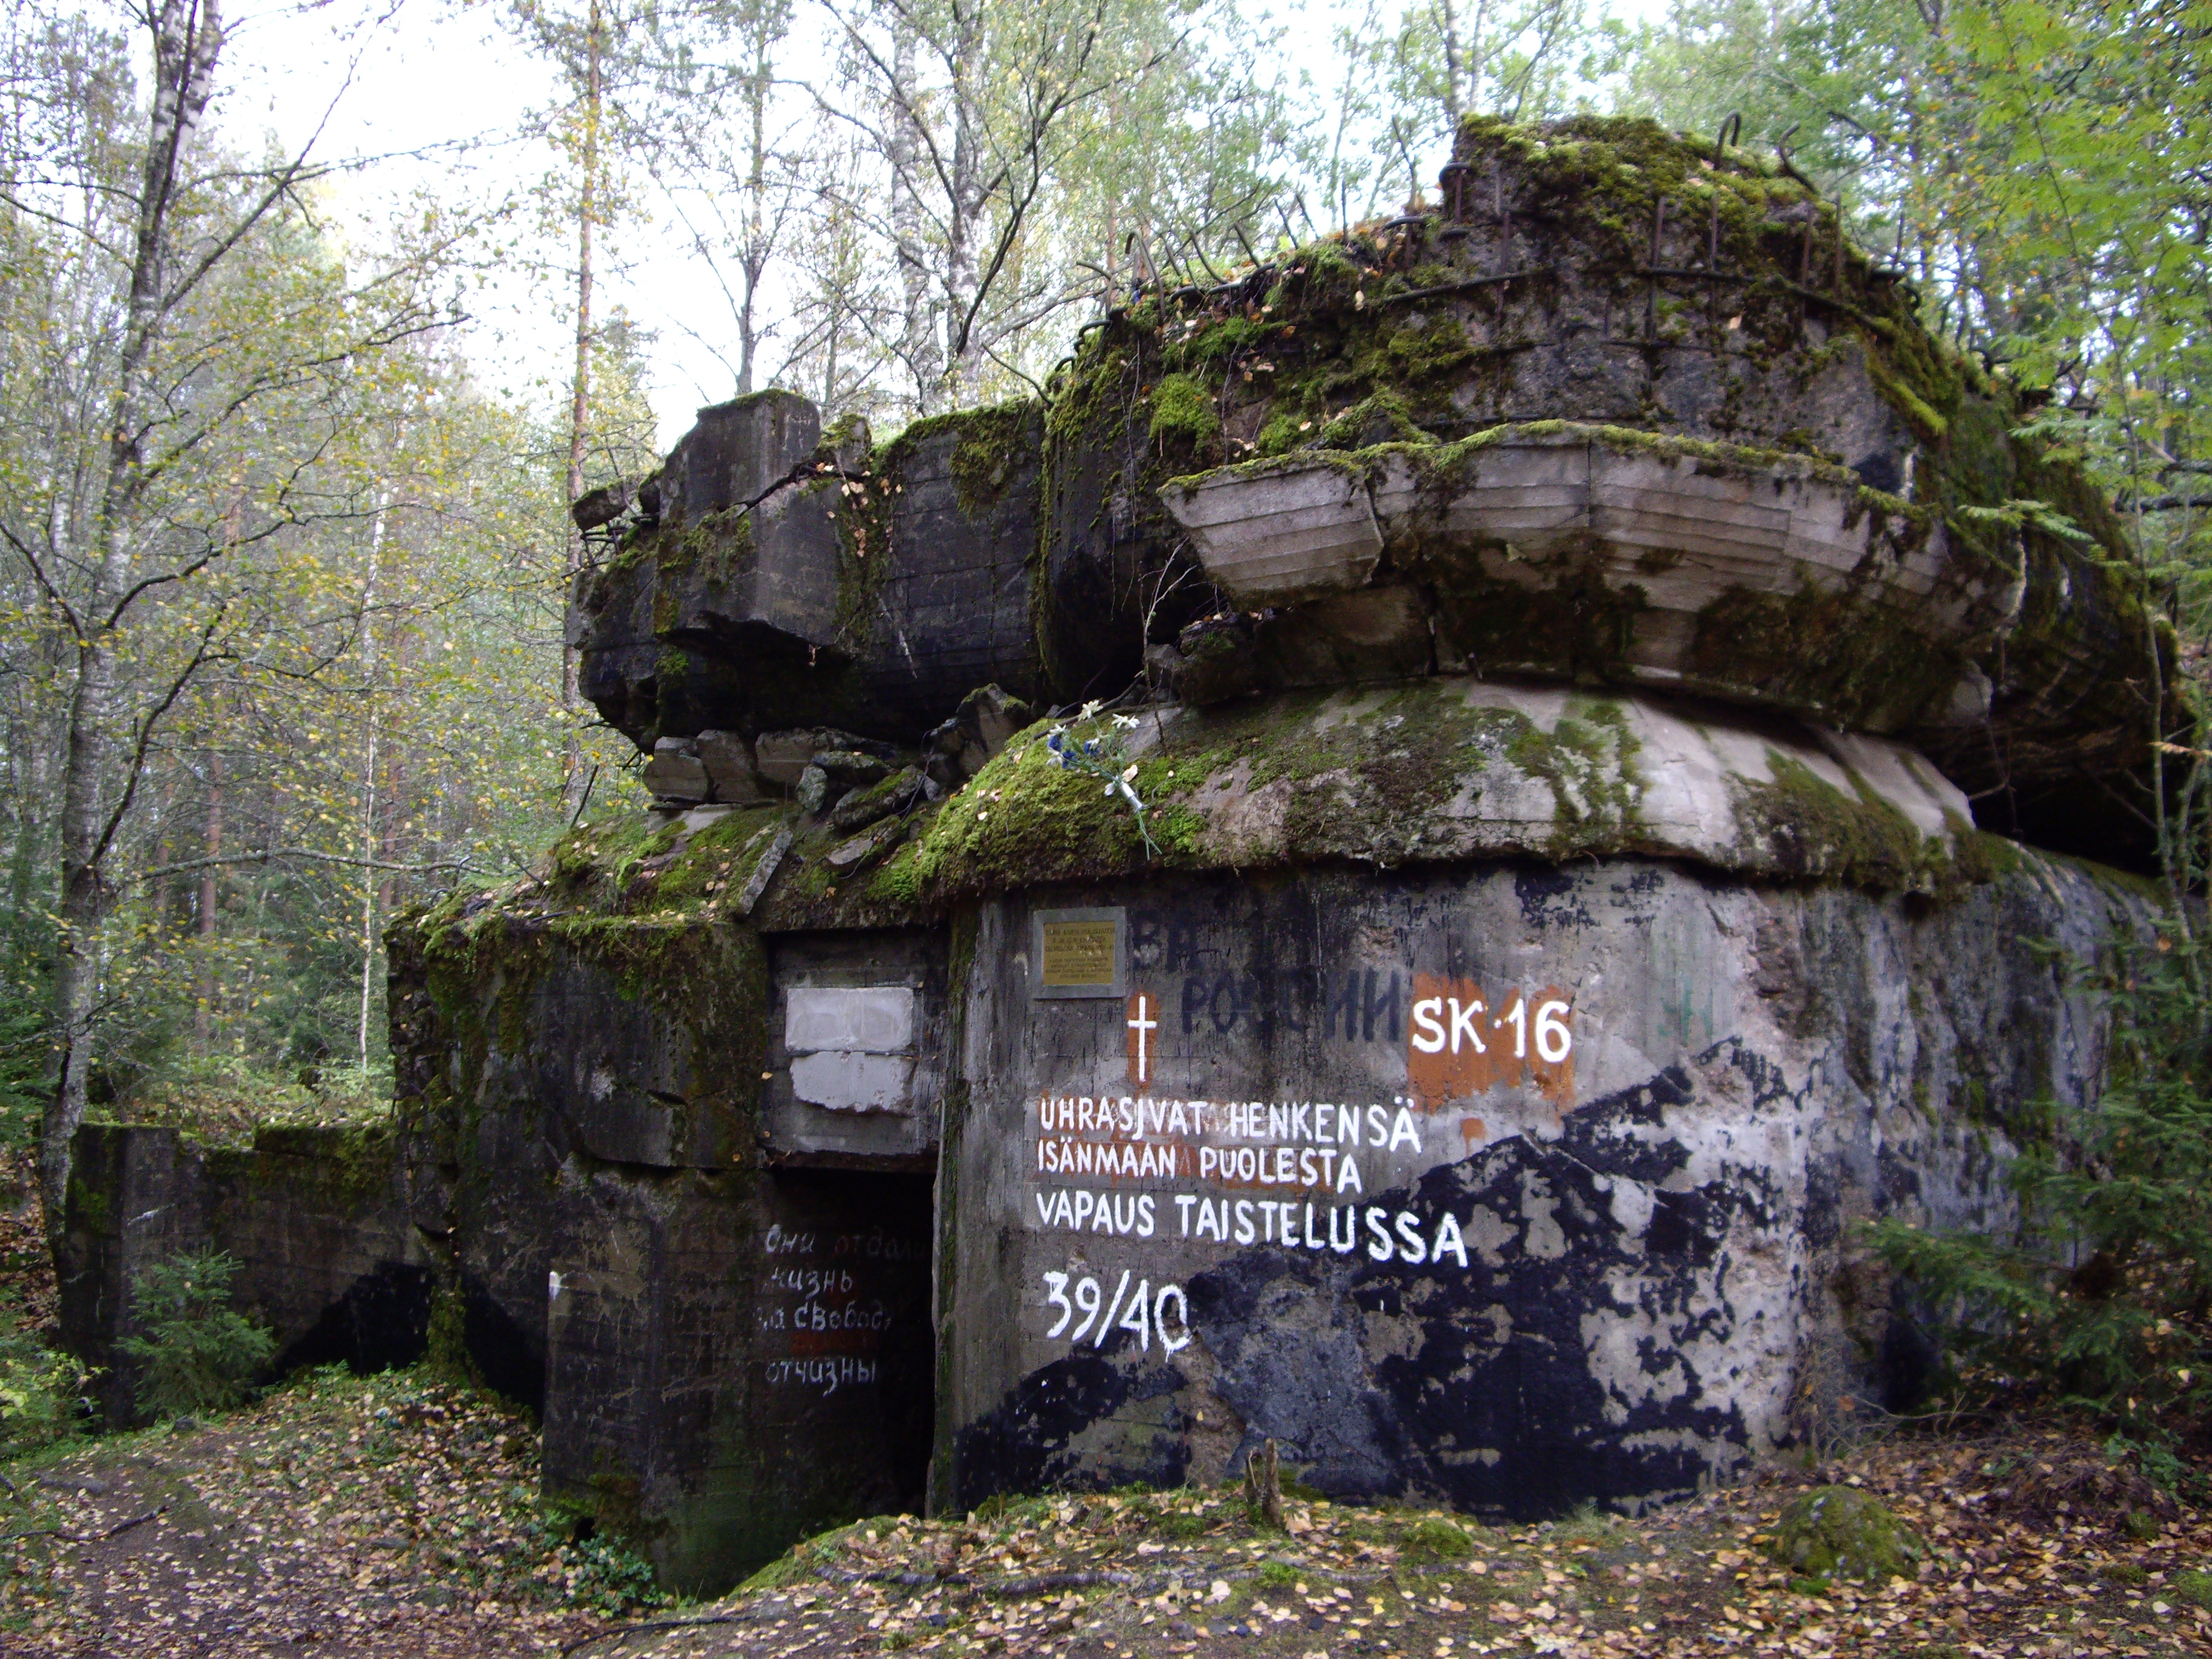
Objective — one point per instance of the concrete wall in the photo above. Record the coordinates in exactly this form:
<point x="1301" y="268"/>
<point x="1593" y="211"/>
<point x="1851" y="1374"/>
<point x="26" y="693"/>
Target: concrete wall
<point x="707" y="1266"/>
<point x="1437" y="1258"/>
<point x="315" y="1217"/>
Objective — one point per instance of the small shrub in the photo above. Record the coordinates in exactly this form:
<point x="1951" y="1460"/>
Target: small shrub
<point x="41" y="1394"/>
<point x="2197" y="1586"/>
<point x="612" y="1577"/>
<point x="1278" y="1575"/>
<point x="2098" y="1299"/>
<point x="198" y="1354"/>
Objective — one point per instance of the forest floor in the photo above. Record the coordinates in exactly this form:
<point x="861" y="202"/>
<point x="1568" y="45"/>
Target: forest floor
<point x="395" y="1516"/>
<point x="2031" y="1551"/>
<point x="398" y="1515"/>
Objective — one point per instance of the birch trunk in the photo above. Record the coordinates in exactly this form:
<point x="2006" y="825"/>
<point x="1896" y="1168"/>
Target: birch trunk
<point x="187" y="39"/>
<point x="918" y="342"/>
<point x="580" y="391"/>
<point x="963" y="222"/>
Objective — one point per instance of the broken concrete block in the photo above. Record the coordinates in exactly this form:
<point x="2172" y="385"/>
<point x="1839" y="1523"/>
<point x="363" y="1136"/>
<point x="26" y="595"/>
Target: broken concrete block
<point x="1285" y="532"/>
<point x="739" y="450"/>
<point x="812" y="793"/>
<point x="728" y="758"/>
<point x="674" y="773"/>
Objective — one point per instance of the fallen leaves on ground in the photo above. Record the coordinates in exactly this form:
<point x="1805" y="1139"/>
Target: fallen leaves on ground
<point x="395" y="1515"/>
<point x="2032" y="1550"/>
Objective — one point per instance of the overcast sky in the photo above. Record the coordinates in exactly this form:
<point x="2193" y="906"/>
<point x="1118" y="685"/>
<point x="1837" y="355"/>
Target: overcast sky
<point x="444" y="92"/>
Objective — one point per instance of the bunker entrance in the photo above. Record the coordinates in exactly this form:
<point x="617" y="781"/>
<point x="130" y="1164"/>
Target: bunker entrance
<point x="848" y="1341"/>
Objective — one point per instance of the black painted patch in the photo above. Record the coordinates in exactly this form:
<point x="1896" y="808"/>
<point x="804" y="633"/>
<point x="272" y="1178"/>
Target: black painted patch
<point x="504" y="1354"/>
<point x="1024" y="1445"/>
<point x="1483" y="1394"/>
<point x="383" y="1321"/>
<point x="1550" y="899"/>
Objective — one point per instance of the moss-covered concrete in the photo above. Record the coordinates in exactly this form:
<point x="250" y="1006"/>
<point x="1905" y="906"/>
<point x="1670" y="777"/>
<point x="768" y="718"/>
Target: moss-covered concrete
<point x="1433" y="771"/>
<point x="1608" y="272"/>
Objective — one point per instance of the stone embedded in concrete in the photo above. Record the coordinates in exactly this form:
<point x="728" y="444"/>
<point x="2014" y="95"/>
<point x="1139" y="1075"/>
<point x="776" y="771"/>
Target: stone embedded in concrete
<point x="894" y="794"/>
<point x="854" y="1082"/>
<point x="764" y="872"/>
<point x="852" y="768"/>
<point x="815" y="790"/>
<point x="675" y="773"/>
<point x="876" y="1019"/>
<point x="780" y="757"/>
<point x="727" y="758"/>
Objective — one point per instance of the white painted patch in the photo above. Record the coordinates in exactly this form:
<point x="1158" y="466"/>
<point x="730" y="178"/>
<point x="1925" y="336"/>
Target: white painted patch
<point x="869" y="1019"/>
<point x="854" y="1082"/>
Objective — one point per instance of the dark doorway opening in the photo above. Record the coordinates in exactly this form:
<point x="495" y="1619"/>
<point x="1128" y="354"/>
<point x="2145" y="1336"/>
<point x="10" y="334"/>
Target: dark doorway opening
<point x="851" y="1345"/>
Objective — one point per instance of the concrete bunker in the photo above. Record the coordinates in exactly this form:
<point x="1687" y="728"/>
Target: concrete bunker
<point x="1596" y="676"/>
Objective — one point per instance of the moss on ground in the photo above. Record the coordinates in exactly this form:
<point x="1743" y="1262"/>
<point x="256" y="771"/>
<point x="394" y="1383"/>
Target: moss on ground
<point x="1842" y="1532"/>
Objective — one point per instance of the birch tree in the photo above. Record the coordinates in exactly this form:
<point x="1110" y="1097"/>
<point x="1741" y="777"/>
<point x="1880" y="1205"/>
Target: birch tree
<point x="195" y="380"/>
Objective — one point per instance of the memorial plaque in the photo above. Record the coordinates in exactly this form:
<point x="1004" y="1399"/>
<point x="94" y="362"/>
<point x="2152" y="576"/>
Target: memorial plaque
<point x="1080" y="953"/>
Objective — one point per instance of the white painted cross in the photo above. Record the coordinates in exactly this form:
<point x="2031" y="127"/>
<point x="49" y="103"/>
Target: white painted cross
<point x="1140" y="1022"/>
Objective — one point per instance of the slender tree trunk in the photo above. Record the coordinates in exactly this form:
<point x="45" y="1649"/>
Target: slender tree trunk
<point x="580" y="391"/>
<point x="209" y="894"/>
<point x="1450" y="22"/>
<point x="368" y="839"/>
<point x="963" y="222"/>
<point x="918" y="342"/>
<point x="757" y="87"/>
<point x="187" y="39"/>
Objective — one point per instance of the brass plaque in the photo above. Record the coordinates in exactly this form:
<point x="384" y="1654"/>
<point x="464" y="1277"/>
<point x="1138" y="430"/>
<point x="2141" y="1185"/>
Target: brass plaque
<point x="1079" y="953"/>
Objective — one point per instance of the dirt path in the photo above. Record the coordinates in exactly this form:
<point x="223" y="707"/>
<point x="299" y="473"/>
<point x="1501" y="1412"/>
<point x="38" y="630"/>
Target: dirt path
<point x="397" y="1517"/>
<point x="2007" y="1574"/>
<point x="392" y="1516"/>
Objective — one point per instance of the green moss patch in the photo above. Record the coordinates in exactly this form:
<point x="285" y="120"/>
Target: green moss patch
<point x="1842" y="1532"/>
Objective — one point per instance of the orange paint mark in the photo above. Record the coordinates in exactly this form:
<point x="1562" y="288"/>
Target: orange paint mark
<point x="1461" y="1042"/>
